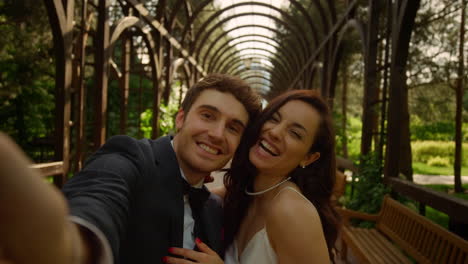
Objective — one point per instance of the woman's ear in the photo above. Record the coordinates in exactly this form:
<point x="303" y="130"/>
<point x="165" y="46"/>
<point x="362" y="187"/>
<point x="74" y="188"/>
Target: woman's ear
<point x="309" y="158"/>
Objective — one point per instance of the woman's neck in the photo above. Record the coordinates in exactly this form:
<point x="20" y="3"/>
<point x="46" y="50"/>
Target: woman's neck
<point x="265" y="181"/>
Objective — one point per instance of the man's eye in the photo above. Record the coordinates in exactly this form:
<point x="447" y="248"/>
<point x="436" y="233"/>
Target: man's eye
<point x="234" y="129"/>
<point x="207" y="115"/>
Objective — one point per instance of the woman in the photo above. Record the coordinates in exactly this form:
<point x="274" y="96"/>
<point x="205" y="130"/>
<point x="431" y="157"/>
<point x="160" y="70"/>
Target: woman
<point x="277" y="204"/>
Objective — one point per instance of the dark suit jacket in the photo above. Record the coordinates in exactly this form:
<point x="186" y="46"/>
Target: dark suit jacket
<point x="132" y="191"/>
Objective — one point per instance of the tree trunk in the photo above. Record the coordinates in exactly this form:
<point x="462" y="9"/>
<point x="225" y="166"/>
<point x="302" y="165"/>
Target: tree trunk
<point x="344" y="104"/>
<point x="369" y="115"/>
<point x="459" y="104"/>
<point x="398" y="151"/>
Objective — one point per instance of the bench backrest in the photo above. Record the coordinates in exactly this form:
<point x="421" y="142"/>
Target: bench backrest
<point x="422" y="239"/>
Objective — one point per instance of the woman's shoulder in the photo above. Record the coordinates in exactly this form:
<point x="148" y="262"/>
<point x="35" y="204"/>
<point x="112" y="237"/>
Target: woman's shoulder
<point x="293" y="224"/>
<point x="290" y="203"/>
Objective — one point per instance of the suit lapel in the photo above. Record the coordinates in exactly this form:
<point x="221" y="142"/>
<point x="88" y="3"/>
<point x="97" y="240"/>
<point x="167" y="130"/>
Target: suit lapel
<point x="211" y="217"/>
<point x="171" y="184"/>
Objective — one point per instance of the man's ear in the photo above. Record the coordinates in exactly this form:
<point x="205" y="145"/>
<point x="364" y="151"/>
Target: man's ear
<point x="310" y="158"/>
<point x="180" y="118"/>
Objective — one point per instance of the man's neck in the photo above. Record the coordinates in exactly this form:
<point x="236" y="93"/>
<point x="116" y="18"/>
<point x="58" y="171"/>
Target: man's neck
<point x="192" y="176"/>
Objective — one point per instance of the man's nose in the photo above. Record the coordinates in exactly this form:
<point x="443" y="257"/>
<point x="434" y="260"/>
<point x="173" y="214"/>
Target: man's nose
<point x="217" y="130"/>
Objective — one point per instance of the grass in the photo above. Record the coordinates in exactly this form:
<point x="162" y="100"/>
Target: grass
<point x="449" y="189"/>
<point x="422" y="168"/>
<point x="437" y="216"/>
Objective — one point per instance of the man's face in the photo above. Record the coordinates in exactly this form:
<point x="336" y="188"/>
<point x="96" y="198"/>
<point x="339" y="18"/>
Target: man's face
<point x="209" y="133"/>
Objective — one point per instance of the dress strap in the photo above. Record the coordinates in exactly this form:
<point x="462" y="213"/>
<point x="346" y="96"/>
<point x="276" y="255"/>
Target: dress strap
<point x="291" y="188"/>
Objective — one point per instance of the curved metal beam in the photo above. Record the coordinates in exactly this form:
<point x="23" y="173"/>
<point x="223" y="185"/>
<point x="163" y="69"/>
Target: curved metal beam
<point x="252" y="3"/>
<point x="273" y="60"/>
<point x="195" y="49"/>
<point x="128" y="22"/>
<point x="281" y="75"/>
<point x="286" y="57"/>
<point x="300" y="59"/>
<point x="278" y="58"/>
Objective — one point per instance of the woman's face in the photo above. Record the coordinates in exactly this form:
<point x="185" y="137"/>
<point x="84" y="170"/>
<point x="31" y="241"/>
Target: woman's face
<point x="285" y="139"/>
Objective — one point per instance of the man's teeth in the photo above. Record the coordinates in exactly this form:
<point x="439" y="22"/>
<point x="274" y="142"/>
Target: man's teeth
<point x="268" y="147"/>
<point x="208" y="149"/>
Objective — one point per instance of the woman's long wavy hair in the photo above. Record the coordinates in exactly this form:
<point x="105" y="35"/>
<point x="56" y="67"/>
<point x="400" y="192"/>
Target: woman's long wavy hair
<point x="316" y="181"/>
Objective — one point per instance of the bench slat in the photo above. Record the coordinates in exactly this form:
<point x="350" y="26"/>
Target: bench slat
<point x="423" y="240"/>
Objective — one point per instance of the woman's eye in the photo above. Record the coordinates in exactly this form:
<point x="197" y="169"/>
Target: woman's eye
<point x="274" y="119"/>
<point x="296" y="134"/>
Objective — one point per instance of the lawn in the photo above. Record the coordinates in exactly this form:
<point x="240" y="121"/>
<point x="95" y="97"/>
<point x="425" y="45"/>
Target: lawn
<point x="422" y="168"/>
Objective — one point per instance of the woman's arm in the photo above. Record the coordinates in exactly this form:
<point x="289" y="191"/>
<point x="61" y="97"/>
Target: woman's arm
<point x="295" y="231"/>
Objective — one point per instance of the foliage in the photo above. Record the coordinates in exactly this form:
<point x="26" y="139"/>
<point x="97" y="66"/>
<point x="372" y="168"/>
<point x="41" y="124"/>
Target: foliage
<point x="369" y="189"/>
<point x="166" y="120"/>
<point x="424" y="150"/>
<point x="440" y="131"/>
<point x="423" y="168"/>
<point x="438" y="161"/>
<point x="26" y="73"/>
<point x="353" y="136"/>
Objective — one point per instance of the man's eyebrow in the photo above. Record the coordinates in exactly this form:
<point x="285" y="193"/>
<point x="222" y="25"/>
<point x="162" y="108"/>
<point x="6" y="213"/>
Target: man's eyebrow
<point x="215" y="109"/>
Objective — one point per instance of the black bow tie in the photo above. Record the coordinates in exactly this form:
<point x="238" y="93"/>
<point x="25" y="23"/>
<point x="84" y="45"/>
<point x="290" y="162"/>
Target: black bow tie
<point x="197" y="197"/>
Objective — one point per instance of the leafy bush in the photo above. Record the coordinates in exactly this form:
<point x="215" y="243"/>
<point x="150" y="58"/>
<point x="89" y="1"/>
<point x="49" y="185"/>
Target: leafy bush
<point x="424" y="150"/>
<point x="369" y="189"/>
<point x="438" y="161"/>
<point x="166" y="120"/>
<point x="440" y="131"/>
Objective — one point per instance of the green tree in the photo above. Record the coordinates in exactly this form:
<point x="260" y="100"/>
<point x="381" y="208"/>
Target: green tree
<point x="26" y="72"/>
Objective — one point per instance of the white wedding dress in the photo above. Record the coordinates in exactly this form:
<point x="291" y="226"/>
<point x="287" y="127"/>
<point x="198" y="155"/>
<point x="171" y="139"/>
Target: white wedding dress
<point x="258" y="250"/>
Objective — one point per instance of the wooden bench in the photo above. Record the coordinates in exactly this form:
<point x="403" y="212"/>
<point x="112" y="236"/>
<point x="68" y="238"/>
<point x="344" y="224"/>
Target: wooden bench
<point x="400" y="236"/>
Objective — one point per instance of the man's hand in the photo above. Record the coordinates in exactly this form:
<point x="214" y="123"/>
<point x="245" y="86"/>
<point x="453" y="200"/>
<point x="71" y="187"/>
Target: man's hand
<point x="34" y="225"/>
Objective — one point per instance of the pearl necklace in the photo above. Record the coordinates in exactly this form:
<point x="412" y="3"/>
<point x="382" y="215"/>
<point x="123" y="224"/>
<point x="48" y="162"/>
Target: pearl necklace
<point x="266" y="190"/>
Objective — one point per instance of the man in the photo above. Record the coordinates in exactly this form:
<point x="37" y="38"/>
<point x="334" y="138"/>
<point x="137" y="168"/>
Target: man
<point x="130" y="195"/>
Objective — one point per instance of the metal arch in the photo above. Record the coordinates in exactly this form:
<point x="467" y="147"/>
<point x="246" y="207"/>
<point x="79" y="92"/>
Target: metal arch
<point x="131" y="21"/>
<point x="195" y="49"/>
<point x="61" y="23"/>
<point x="252" y="3"/>
<point x="235" y="60"/>
<point x="251" y="25"/>
<point x="358" y="25"/>
<point x="288" y="69"/>
<point x="255" y="76"/>
<point x="174" y="12"/>
<point x="259" y="56"/>
<point x="128" y="22"/>
<point x="280" y="48"/>
<point x="324" y="42"/>
<point x="205" y="3"/>
<point x="264" y="68"/>
<point x="252" y="84"/>
<point x="215" y="63"/>
<point x="190" y="21"/>
<point x="275" y="79"/>
<point x="313" y="30"/>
